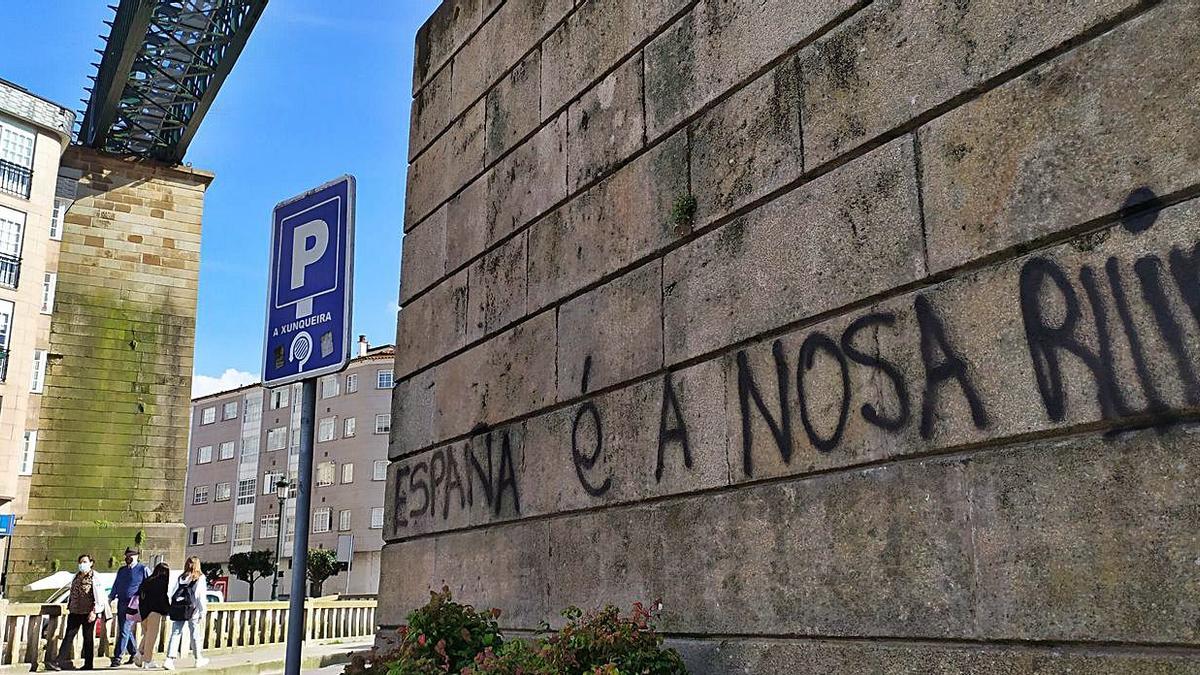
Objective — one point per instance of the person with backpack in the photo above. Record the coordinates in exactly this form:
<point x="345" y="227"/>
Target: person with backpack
<point x="85" y="605"/>
<point x="125" y="587"/>
<point x="187" y="607"/>
<point x="152" y="607"/>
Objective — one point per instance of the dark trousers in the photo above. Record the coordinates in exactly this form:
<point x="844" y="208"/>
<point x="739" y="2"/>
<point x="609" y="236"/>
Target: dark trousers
<point x="74" y="623"/>
<point x="125" y="642"/>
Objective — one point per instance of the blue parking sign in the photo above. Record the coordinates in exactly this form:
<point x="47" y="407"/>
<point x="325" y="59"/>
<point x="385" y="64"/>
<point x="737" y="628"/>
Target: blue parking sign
<point x="311" y="285"/>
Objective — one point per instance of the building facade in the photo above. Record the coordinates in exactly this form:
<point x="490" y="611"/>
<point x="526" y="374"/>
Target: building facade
<point x="245" y="441"/>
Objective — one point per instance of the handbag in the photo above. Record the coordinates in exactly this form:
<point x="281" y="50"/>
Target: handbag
<point x="131" y="612"/>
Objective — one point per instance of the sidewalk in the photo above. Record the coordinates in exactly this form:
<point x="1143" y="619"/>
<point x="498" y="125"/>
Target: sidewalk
<point x="318" y="657"/>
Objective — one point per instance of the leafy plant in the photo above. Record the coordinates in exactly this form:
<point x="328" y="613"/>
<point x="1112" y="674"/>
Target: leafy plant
<point x="683" y="214"/>
<point x="212" y="572"/>
<point x="322" y="564"/>
<point x="252" y="566"/>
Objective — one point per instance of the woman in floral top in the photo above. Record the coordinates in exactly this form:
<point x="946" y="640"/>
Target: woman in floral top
<point x="86" y="603"/>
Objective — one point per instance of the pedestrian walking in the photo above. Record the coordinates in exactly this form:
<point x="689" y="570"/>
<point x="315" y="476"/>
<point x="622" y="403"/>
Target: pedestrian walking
<point x="125" y="588"/>
<point x="187" y="608"/>
<point x="85" y="604"/>
<point x="153" y="606"/>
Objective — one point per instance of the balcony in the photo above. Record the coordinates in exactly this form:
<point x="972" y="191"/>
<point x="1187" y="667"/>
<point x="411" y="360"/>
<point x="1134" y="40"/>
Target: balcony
<point x="15" y="179"/>
<point x="10" y="270"/>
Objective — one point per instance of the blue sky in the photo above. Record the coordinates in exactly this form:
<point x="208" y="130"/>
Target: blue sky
<point x="323" y="88"/>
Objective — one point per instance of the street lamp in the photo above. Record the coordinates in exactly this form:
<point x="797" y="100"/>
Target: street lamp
<point x="281" y="491"/>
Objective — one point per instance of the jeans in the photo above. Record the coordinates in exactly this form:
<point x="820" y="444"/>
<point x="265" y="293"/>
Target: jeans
<point x="195" y="628"/>
<point x="74" y="623"/>
<point x="125" y="641"/>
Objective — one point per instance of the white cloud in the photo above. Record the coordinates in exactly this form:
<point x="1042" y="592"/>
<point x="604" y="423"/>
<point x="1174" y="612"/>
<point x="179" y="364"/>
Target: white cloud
<point x="203" y="385"/>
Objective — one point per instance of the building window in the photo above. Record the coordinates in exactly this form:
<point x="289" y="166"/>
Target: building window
<point x="268" y="526"/>
<point x="208" y="415"/>
<point x="229" y="410"/>
<point x="61" y="204"/>
<point x="12" y="232"/>
<point x="249" y="447"/>
<point x="269" y="480"/>
<point x="377" y="518"/>
<point x="380" y="470"/>
<point x="245" y="493"/>
<point x="348" y="427"/>
<point x="28" y="449"/>
<point x="204" y="454"/>
<point x="276" y="439"/>
<point x="220" y="533"/>
<point x="243" y="534"/>
<point x="37" y="380"/>
<point x="347" y="473"/>
<point x="383" y="379"/>
<point x="329" y="386"/>
<point x="221" y="494"/>
<point x="49" y="284"/>
<point x="321" y="520"/>
<point x="326" y="430"/>
<point x="197" y="537"/>
<point x="16" y="159"/>
<point x="326" y="473"/>
<point x="200" y="494"/>
<point x="279" y="398"/>
<point x="351" y="383"/>
<point x="225" y="450"/>
<point x="343" y="520"/>
<point x="383" y="423"/>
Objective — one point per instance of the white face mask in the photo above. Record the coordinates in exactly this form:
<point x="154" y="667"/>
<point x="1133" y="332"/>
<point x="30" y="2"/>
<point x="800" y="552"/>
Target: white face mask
<point x="85" y="566"/>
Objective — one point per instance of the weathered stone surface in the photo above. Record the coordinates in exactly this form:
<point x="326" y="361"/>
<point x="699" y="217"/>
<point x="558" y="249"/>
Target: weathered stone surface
<point x="406" y="583"/>
<point x="414" y="401"/>
<point x="1077" y="540"/>
<point x="497" y="288"/>
<point x="452" y="160"/>
<point x="424" y="258"/>
<point x="500" y="44"/>
<point x="897" y="658"/>
<point x="1052" y="149"/>
<point x="432" y="326"/>
<point x="514" y="106"/>
<point x="606" y="124"/>
<point x="595" y="38"/>
<point x="845" y="236"/>
<point x="898" y="59"/>
<point x="466" y="224"/>
<point x="611" y="334"/>
<point x="716" y="46"/>
<point x="509" y="375"/>
<point x="748" y="145"/>
<point x="430" y="113"/>
<point x="441" y="35"/>
<point x="529" y="181"/>
<point x="618" y="221"/>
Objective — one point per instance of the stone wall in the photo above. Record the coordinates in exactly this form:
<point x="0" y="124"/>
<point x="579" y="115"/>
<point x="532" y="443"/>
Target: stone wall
<point x="864" y="335"/>
<point x="113" y="438"/>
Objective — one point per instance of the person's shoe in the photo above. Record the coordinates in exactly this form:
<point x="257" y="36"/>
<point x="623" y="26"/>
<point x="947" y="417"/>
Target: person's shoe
<point x="149" y="665"/>
<point x="201" y="662"/>
<point x="51" y="665"/>
<point x="132" y="659"/>
<point x="115" y="663"/>
<point x="137" y="660"/>
<point x="169" y="664"/>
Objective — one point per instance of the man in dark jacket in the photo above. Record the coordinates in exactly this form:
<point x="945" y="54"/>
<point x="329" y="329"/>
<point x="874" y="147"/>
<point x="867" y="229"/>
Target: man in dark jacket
<point x="125" y="587"/>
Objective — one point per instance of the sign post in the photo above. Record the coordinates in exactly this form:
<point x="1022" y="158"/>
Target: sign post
<point x="309" y="303"/>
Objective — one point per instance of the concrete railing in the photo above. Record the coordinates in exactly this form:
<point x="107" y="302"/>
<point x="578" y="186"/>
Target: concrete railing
<point x="32" y="632"/>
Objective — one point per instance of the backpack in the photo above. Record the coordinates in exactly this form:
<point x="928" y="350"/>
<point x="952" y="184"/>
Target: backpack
<point x="181" y="602"/>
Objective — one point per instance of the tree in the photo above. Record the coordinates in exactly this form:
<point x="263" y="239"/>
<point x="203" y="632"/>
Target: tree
<point x="212" y="572"/>
<point x="252" y="566"/>
<point x="322" y="564"/>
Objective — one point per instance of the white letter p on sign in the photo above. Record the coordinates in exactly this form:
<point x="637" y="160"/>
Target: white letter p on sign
<point x="303" y="255"/>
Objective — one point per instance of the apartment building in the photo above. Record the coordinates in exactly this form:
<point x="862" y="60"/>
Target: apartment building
<point x="245" y="441"/>
<point x="34" y="133"/>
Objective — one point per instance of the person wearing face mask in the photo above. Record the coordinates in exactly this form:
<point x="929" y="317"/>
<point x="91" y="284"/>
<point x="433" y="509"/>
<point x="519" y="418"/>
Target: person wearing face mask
<point x="125" y="588"/>
<point x="85" y="605"/>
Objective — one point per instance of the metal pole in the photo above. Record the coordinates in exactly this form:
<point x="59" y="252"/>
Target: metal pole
<point x="295" y="627"/>
<point x="280" y="524"/>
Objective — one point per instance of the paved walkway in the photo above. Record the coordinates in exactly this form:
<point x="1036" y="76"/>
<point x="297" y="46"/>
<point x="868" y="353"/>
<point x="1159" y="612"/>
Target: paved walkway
<point x="318" y="658"/>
